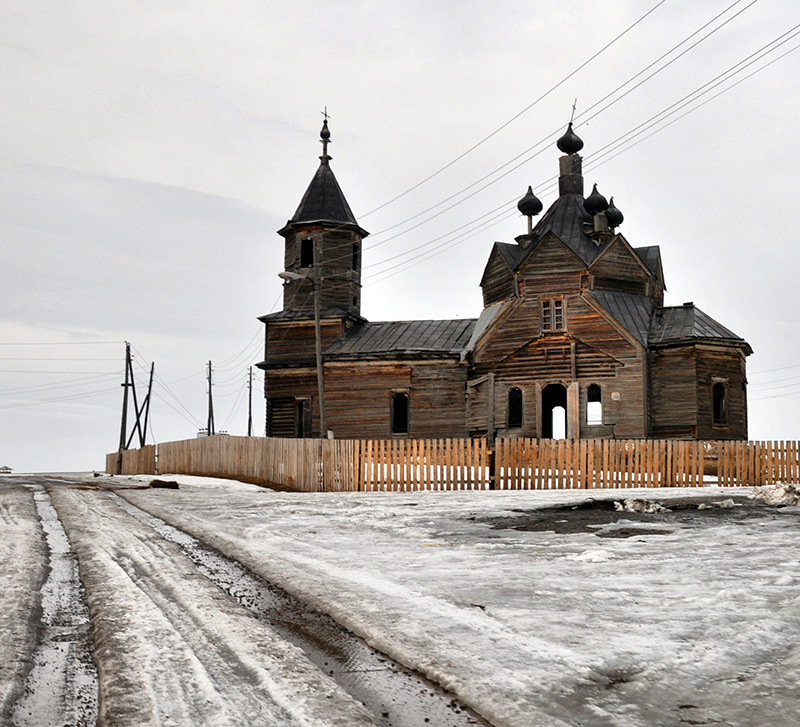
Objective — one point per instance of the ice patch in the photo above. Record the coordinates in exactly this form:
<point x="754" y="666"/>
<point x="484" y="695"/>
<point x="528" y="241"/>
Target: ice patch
<point x="591" y="556"/>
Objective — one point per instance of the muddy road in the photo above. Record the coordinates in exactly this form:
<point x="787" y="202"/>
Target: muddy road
<point x="131" y="621"/>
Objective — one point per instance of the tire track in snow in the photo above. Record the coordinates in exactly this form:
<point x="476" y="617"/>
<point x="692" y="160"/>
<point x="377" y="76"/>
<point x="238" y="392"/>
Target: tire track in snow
<point x="175" y="651"/>
<point x="61" y="687"/>
<point x="396" y="696"/>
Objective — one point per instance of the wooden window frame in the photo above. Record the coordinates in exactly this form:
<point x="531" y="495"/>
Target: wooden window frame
<point x="592" y="422"/>
<point x="553" y="315"/>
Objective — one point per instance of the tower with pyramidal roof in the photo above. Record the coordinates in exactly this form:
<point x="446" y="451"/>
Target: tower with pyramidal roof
<point x="574" y="339"/>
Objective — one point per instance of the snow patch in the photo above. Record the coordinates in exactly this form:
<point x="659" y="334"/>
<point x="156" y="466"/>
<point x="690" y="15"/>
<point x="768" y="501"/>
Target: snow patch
<point x="778" y="495"/>
<point x="637" y="504"/>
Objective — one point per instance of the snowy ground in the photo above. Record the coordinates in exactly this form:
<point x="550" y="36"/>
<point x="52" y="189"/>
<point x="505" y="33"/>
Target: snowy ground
<point x="694" y="619"/>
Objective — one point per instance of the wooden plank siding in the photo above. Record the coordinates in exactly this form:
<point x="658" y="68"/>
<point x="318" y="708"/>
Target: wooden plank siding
<point x="450" y="464"/>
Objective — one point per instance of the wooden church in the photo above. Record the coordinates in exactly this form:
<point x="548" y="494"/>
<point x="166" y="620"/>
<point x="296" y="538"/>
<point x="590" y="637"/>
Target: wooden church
<point x="573" y="341"/>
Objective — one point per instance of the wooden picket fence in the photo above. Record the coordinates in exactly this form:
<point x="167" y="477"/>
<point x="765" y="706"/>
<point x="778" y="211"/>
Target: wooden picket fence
<point x="322" y="465"/>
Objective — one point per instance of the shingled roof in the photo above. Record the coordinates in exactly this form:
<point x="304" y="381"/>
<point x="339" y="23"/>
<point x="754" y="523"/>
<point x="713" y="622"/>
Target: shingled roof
<point x="684" y="323"/>
<point x="632" y="312"/>
<point x="393" y="338"/>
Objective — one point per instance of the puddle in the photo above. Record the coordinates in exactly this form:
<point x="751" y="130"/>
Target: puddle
<point x="395" y="696"/>
<point x="605" y="520"/>
<point x="61" y="688"/>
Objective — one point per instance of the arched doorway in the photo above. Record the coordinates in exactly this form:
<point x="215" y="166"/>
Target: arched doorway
<point x="554" y="412"/>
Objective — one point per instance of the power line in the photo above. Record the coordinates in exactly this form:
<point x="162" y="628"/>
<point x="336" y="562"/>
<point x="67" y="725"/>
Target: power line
<point x="549" y="137"/>
<point x="516" y="116"/>
<point x="632" y="134"/>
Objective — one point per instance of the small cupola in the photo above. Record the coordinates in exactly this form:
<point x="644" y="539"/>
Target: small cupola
<point x="613" y="215"/>
<point x="570" y="178"/>
<point x="530" y="206"/>
<point x="570" y="143"/>
<point x="597" y="205"/>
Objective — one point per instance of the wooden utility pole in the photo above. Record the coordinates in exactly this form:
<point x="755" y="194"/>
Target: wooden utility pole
<point x="250" y="402"/>
<point x="323" y="424"/>
<point x="125" y="386"/>
<point x="210" y="425"/>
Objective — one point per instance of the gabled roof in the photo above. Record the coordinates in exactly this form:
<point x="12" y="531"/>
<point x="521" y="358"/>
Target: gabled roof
<point x="685" y="323"/>
<point x="404" y="337"/>
<point x="632" y="312"/>
<point x="567" y="219"/>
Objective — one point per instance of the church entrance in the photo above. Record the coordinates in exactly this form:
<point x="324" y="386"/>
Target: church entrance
<point x="554" y="412"/>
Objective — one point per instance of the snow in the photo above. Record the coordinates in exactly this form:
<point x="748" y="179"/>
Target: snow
<point x="22" y="565"/>
<point x="171" y="648"/>
<point x="697" y="623"/>
<point x="778" y="494"/>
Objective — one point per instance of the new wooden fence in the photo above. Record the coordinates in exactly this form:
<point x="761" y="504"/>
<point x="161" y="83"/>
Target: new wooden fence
<point x="317" y="465"/>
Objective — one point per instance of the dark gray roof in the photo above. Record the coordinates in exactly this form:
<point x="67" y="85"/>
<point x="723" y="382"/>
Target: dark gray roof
<point x="404" y="337"/>
<point x="511" y="253"/>
<point x="683" y="323"/>
<point x="632" y="312"/>
<point x="651" y="256"/>
<point x="324" y="200"/>
<point x="325" y="312"/>
<point x="566" y="218"/>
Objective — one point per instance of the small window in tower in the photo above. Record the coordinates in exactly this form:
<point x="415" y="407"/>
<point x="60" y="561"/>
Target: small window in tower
<point x="306" y="253"/>
<point x="553" y="314"/>
<point x="514" y="415"/>
<point x="719" y="404"/>
<point x="355" y="255"/>
<point x="594" y="405"/>
<point x="399" y="413"/>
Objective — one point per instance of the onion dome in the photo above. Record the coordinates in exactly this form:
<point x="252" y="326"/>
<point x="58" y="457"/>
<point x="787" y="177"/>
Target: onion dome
<point x="613" y="215"/>
<point x="595" y="203"/>
<point x="529" y="205"/>
<point x="325" y="133"/>
<point x="570" y="143"/>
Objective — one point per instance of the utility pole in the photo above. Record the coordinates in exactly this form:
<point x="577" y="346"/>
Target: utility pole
<point x="250" y="403"/>
<point x="211" y="431"/>
<point x="125" y="386"/>
<point x="323" y="424"/>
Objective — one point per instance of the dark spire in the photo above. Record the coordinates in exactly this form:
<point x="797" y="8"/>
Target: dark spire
<point x="324" y="200"/>
<point x="595" y="202"/>
<point x="613" y="215"/>
<point x="325" y="137"/>
<point x="570" y="143"/>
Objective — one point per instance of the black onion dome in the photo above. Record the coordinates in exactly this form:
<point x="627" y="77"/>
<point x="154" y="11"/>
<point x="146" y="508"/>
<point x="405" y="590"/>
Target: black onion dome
<point x="613" y="215"/>
<point x="530" y="205"/>
<point x="595" y="202"/>
<point x="570" y="143"/>
<point x="325" y="133"/>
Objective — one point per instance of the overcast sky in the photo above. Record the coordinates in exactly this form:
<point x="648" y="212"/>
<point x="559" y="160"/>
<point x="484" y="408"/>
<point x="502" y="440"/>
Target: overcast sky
<point x="150" y="151"/>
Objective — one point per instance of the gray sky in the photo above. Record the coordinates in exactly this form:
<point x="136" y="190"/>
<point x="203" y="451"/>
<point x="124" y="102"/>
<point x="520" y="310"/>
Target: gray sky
<point x="150" y="151"/>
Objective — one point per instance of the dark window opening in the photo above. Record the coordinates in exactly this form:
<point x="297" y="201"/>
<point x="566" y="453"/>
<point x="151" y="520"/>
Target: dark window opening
<point x="355" y="256"/>
<point x="514" y="408"/>
<point x="355" y="302"/>
<point x="306" y="253"/>
<point x="554" y="411"/>
<point x="594" y="405"/>
<point x="719" y="404"/>
<point x="302" y="418"/>
<point x="399" y="414"/>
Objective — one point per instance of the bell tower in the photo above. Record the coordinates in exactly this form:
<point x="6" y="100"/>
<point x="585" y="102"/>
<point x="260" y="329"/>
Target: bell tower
<point x="322" y="246"/>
